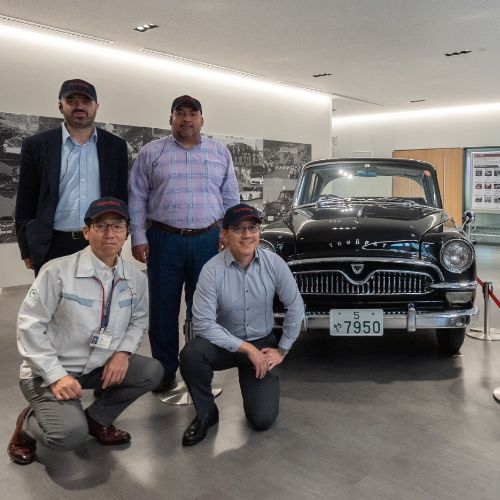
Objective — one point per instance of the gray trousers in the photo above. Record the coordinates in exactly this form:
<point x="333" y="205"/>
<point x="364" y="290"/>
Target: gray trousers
<point x="62" y="424"/>
<point x="200" y="358"/>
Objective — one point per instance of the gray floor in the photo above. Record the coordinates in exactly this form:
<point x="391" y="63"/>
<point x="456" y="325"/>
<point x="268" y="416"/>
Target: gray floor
<point x="384" y="418"/>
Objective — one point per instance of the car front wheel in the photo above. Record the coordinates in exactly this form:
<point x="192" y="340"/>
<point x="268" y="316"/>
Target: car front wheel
<point x="450" y="340"/>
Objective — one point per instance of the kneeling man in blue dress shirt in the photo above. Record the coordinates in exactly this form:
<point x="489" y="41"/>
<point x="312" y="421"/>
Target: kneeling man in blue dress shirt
<point x="233" y="324"/>
<point x="79" y="328"/>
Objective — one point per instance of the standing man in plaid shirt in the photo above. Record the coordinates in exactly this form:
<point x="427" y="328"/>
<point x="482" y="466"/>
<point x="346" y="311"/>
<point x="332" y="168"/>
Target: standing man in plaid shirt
<point x="180" y="187"/>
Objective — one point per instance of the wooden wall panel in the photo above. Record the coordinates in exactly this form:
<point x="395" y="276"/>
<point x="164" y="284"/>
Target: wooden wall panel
<point x="449" y="165"/>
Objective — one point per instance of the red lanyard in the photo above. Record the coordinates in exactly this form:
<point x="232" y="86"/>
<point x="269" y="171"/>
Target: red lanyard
<point x="106" y="305"/>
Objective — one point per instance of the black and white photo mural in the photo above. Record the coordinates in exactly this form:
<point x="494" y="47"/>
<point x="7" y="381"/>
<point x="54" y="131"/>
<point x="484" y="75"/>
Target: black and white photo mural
<point x="266" y="170"/>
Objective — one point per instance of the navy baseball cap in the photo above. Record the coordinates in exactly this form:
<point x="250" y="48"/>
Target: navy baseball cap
<point x="186" y="100"/>
<point x="77" y="86"/>
<point x="236" y="214"/>
<point x="105" y="206"/>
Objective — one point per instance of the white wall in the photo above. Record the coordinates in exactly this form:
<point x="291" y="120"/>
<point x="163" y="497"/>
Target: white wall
<point x="447" y="128"/>
<point x="137" y="89"/>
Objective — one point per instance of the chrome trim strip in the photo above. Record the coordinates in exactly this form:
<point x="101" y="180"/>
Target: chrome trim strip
<point x="411" y="320"/>
<point x="462" y="286"/>
<point x="400" y="321"/>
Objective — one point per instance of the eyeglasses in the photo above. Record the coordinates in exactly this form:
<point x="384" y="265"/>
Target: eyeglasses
<point x="116" y="227"/>
<point x="239" y="229"/>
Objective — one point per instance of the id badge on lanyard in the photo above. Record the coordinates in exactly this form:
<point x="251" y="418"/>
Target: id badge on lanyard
<point x="100" y="338"/>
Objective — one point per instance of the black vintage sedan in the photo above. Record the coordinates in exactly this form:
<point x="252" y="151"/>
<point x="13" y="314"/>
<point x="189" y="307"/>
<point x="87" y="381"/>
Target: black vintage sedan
<point x="372" y="249"/>
<point x="274" y="210"/>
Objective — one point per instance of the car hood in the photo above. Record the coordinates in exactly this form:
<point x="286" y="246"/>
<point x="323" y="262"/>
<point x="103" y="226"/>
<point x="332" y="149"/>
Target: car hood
<point x="364" y="228"/>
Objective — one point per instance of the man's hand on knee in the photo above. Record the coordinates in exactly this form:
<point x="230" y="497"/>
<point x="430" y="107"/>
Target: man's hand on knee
<point x="115" y="369"/>
<point x="257" y="358"/>
<point x="273" y="357"/>
<point x="66" y="388"/>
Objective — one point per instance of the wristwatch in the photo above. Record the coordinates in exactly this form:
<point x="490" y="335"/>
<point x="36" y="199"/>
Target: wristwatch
<point x="282" y="352"/>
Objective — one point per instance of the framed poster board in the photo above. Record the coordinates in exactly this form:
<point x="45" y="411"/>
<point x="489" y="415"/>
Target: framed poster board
<point x="485" y="183"/>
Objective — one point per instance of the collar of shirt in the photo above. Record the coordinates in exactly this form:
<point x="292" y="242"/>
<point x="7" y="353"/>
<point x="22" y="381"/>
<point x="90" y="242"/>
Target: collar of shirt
<point x="197" y="145"/>
<point x="229" y="258"/>
<point x="90" y="265"/>
<point x="66" y="135"/>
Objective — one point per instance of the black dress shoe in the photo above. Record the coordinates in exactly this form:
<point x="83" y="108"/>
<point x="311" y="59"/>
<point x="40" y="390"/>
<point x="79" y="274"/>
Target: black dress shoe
<point x="167" y="384"/>
<point x="106" y="434"/>
<point x="197" y="429"/>
<point x="21" y="449"/>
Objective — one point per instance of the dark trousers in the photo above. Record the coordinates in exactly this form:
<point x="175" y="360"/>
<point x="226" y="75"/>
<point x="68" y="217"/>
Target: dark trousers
<point x="62" y="424"/>
<point x="61" y="244"/>
<point x="200" y="358"/>
<point x="174" y="260"/>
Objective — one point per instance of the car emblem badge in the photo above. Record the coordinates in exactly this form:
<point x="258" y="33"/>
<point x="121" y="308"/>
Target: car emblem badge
<point x="357" y="268"/>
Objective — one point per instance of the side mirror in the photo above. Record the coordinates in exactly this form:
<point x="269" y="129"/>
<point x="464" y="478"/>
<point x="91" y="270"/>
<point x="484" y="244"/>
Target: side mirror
<point x="468" y="217"/>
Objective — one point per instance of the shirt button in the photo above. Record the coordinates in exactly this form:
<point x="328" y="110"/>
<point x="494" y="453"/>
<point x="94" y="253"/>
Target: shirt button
<point x="248" y="308"/>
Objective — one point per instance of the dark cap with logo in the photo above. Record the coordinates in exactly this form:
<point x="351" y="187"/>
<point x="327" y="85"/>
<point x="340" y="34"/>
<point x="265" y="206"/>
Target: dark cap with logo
<point x="236" y="214"/>
<point x="186" y="100"/>
<point x="105" y="206"/>
<point x="77" y="86"/>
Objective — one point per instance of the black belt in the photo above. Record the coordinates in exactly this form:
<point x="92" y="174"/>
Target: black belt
<point x="183" y="231"/>
<point x="74" y="235"/>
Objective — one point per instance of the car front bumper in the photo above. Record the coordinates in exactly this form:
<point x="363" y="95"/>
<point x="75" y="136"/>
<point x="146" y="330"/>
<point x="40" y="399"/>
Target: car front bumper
<point x="411" y="320"/>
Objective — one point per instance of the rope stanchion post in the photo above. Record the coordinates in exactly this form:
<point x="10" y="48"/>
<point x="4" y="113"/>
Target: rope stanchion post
<point x="486" y="333"/>
<point x="179" y="395"/>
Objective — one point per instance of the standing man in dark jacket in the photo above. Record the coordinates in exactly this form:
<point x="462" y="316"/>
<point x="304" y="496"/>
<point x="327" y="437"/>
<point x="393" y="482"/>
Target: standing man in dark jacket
<point x="62" y="171"/>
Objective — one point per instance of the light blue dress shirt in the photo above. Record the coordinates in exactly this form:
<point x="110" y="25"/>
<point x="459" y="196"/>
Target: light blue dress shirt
<point x="231" y="305"/>
<point x="79" y="183"/>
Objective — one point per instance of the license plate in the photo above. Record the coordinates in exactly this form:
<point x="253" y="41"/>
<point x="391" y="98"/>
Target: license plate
<point x="270" y="218"/>
<point x="356" y="322"/>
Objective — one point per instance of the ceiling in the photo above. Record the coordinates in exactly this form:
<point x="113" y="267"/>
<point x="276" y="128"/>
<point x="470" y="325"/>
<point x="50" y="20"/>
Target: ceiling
<point x="381" y="53"/>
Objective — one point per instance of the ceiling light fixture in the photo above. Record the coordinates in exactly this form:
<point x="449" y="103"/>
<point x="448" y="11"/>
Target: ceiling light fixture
<point x="54" y="28"/>
<point x="146" y="27"/>
<point x="458" y="53"/>
<point x="319" y="75"/>
<point x="199" y="63"/>
<point x="413" y="115"/>
<point x="305" y="87"/>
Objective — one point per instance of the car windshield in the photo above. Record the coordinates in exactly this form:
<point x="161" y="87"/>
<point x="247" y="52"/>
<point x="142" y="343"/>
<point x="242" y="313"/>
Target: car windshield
<point x="362" y="182"/>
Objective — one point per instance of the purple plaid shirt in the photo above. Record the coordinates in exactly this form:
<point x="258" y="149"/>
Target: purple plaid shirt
<point x="184" y="188"/>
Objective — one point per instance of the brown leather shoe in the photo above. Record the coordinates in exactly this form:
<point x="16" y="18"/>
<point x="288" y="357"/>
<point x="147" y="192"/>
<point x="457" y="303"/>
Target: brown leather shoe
<point x="107" y="435"/>
<point x="21" y="450"/>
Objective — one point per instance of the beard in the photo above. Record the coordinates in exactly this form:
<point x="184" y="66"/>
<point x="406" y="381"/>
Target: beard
<point x="81" y="121"/>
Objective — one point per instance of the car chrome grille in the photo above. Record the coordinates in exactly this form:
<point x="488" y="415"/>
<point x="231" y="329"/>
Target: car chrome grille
<point x="377" y="283"/>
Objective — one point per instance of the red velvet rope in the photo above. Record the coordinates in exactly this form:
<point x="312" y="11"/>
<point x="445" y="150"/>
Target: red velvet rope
<point x="490" y="293"/>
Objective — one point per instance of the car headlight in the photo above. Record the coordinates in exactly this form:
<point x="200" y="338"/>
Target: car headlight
<point x="266" y="245"/>
<point x="456" y="255"/>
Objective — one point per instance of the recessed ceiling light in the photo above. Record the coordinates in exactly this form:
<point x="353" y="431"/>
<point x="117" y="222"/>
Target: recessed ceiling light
<point x="458" y="53"/>
<point x="145" y="27"/>
<point x="319" y="75"/>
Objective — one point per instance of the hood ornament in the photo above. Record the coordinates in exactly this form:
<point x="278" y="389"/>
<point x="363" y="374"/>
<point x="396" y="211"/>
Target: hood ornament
<point x="357" y="268"/>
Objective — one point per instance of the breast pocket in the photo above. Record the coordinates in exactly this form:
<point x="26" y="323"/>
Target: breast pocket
<point x="80" y="311"/>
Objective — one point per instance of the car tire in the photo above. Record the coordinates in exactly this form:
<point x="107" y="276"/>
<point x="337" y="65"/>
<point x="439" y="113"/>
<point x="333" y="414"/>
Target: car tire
<point x="450" y="340"/>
